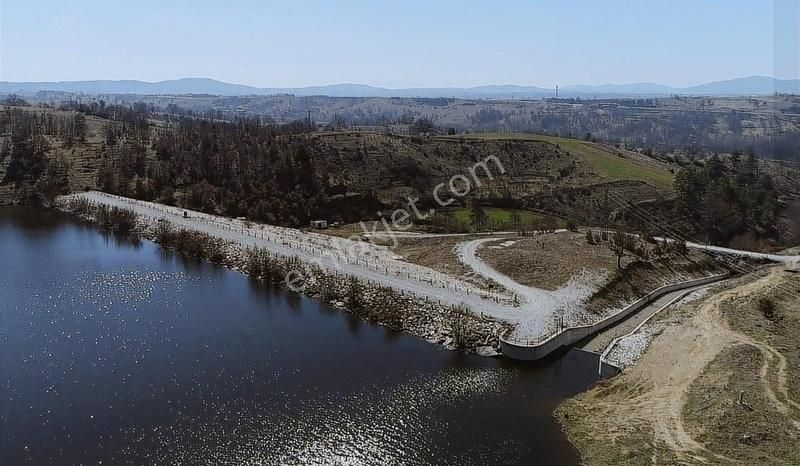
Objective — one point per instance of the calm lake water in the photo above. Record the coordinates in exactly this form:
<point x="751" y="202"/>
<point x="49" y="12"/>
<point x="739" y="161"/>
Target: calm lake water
<point x="117" y="352"/>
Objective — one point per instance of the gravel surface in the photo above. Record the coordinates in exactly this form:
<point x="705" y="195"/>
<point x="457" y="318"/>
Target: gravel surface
<point x="366" y="261"/>
<point x="545" y="307"/>
<point x="737" y="252"/>
<point x="630" y="348"/>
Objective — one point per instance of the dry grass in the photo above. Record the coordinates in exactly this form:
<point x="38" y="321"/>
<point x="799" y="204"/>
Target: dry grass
<point x="750" y="431"/>
<point x="547" y="261"/>
<point x="606" y="162"/>
<point x="722" y="386"/>
<point x="779" y="329"/>
<point x="438" y="254"/>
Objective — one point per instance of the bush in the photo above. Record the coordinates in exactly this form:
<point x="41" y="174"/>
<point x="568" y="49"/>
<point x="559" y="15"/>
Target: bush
<point x="590" y="237"/>
<point x="355" y="294"/>
<point x="116" y="219"/>
<point x="191" y="243"/>
<point x="80" y="206"/>
<point x="572" y="225"/>
<point x="263" y="265"/>
<point x="165" y="233"/>
<point x="458" y="317"/>
<point x="767" y="308"/>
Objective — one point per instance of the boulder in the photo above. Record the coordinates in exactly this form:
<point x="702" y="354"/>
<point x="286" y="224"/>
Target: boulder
<point x="486" y="351"/>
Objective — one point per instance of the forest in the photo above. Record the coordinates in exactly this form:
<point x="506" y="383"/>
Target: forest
<point x="241" y="168"/>
<point x="267" y="172"/>
<point x="732" y="202"/>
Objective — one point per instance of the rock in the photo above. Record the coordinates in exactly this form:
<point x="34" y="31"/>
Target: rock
<point x="486" y="351"/>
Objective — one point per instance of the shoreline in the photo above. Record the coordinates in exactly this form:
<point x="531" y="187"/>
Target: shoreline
<point x="436" y="322"/>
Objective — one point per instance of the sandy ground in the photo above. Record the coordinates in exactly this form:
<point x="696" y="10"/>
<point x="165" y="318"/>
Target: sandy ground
<point x="640" y="417"/>
<point x="630" y="347"/>
<point x="625" y="338"/>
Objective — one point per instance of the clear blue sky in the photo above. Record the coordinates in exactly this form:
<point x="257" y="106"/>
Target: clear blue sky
<point x="399" y="43"/>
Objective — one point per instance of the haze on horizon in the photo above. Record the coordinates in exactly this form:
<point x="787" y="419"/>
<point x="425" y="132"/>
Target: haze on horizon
<point x="413" y="44"/>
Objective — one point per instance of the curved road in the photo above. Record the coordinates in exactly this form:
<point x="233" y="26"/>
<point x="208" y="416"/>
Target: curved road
<point x="543" y="306"/>
<point x="335" y="255"/>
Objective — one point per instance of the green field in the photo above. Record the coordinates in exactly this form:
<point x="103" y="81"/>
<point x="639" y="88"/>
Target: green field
<point x="496" y="214"/>
<point x="604" y="163"/>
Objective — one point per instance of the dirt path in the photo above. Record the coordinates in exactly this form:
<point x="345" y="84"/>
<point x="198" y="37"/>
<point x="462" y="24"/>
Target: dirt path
<point x="706" y="336"/>
<point x="543" y="306"/>
<point x="652" y="394"/>
<point x="738" y="252"/>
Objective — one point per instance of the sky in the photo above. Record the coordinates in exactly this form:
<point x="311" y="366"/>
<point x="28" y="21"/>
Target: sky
<point x="406" y="43"/>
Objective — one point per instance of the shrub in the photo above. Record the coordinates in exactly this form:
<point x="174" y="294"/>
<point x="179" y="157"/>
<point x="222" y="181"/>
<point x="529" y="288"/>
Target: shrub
<point x="767" y="308"/>
<point x="165" y="233"/>
<point x="572" y="225"/>
<point x="458" y="317"/>
<point x="590" y="237"/>
<point x="115" y="218"/>
<point x="263" y="265"/>
<point x="355" y="294"/>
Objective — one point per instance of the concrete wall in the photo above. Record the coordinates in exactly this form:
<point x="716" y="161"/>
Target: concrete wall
<point x="568" y="336"/>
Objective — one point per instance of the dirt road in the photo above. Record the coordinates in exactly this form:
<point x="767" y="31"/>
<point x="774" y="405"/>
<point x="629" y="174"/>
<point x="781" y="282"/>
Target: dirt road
<point x="642" y="410"/>
<point x="543" y="306"/>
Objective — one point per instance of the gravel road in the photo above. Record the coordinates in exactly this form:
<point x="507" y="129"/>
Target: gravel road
<point x="363" y="260"/>
<point x="543" y="305"/>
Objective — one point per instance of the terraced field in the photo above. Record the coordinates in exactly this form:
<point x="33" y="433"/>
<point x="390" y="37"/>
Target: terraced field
<point x="607" y="162"/>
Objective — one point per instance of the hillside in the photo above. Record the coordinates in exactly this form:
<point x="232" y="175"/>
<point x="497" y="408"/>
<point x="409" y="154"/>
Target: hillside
<point x="289" y="175"/>
<point x="675" y="125"/>
<point x="353" y="173"/>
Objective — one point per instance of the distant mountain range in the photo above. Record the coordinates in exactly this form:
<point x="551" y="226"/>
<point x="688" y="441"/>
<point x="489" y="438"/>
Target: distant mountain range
<point x="753" y="85"/>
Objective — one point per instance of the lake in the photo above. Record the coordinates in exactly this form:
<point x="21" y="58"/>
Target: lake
<point x="114" y="351"/>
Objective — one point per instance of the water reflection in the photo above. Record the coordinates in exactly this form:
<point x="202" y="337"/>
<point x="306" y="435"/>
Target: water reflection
<point x="353" y="324"/>
<point x="135" y="355"/>
<point x="120" y="239"/>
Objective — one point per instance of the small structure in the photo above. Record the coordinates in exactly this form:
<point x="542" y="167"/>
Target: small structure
<point x="319" y="224"/>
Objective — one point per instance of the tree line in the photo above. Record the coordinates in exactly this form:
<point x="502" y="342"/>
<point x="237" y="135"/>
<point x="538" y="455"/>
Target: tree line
<point x="730" y="201"/>
<point x="241" y="168"/>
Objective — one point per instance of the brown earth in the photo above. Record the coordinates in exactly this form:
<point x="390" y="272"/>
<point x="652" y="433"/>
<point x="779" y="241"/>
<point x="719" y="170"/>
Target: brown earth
<point x="438" y="254"/>
<point x="681" y="403"/>
<point x="547" y="261"/>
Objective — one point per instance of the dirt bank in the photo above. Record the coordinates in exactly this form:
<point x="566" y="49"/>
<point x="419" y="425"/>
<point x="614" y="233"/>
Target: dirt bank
<point x="681" y="403"/>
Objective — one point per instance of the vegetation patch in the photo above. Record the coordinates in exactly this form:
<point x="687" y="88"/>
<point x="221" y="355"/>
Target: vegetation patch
<point x="605" y="162"/>
<point x="728" y="411"/>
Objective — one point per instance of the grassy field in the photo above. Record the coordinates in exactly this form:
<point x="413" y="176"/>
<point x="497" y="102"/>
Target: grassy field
<point x="603" y="161"/>
<point x="495" y="214"/>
